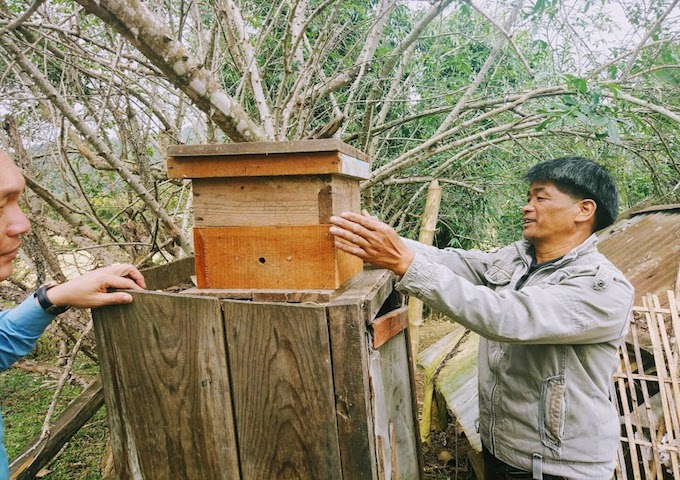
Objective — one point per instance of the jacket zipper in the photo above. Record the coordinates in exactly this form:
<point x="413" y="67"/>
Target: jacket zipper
<point x="492" y="425"/>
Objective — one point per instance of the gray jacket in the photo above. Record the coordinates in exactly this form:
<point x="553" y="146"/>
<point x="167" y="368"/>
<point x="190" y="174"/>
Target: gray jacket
<point x="547" y="353"/>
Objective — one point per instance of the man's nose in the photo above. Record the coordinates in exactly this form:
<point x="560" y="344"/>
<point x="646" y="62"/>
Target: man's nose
<point x="18" y="222"/>
<point x="527" y="207"/>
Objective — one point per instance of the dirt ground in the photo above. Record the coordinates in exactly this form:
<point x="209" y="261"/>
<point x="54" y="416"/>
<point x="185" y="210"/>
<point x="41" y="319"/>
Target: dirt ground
<point x="446" y="457"/>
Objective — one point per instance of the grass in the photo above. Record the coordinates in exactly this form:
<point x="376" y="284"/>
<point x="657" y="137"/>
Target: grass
<point x="25" y="400"/>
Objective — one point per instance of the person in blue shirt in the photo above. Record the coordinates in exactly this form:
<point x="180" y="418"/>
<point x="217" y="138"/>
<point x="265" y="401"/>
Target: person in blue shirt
<point x="21" y="327"/>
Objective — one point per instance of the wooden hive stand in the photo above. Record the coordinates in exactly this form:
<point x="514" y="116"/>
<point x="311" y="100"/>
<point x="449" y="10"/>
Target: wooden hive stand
<point x="261" y="211"/>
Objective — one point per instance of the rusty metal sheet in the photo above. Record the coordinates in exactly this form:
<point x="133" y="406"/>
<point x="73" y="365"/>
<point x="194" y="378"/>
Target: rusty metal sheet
<point x="645" y="246"/>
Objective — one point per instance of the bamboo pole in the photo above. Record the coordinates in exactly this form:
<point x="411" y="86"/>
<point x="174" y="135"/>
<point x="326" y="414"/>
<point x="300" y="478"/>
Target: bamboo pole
<point x="426" y="235"/>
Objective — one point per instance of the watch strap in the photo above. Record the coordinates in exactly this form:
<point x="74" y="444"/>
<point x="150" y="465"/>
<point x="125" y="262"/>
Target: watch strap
<point x="44" y="302"/>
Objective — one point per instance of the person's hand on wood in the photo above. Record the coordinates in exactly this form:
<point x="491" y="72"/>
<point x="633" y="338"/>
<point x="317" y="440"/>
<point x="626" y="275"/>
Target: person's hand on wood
<point x="92" y="289"/>
<point x="371" y="240"/>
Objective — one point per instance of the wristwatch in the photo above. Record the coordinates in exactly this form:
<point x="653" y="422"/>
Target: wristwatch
<point x="45" y="303"/>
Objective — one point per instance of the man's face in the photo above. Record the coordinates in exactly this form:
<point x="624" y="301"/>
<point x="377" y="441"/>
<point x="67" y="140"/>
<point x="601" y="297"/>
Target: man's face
<point x="549" y="214"/>
<point x="13" y="222"/>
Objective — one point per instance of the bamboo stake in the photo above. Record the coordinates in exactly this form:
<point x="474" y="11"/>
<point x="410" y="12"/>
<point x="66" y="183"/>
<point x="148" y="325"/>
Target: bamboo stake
<point x="675" y="320"/>
<point x="656" y="463"/>
<point x="626" y="413"/>
<point x="674" y="389"/>
<point x="426" y="235"/>
<point x="668" y="350"/>
<point x="661" y="371"/>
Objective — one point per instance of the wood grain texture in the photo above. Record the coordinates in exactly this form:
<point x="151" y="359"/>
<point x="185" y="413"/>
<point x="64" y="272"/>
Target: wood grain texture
<point x="388" y="325"/>
<point x="267" y="165"/>
<point x="280" y="367"/>
<point x="357" y="390"/>
<point x="283" y="200"/>
<point x="347" y="319"/>
<point x="171" y="274"/>
<point x="166" y="387"/>
<point x="395" y="420"/>
<point x="349" y="347"/>
<point x="286" y="257"/>
<point x="264" y="295"/>
<point x="266" y="148"/>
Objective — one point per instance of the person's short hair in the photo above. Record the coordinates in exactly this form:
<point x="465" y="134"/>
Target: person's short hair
<point x="581" y="178"/>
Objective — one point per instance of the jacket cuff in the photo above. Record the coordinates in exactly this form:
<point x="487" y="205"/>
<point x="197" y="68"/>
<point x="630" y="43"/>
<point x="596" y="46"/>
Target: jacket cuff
<point x="418" y="277"/>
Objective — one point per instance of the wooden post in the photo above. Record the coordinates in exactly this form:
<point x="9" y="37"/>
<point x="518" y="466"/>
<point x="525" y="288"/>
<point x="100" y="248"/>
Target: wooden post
<point x="427" y="228"/>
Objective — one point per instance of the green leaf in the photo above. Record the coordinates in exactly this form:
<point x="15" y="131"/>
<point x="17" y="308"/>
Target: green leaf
<point x="613" y="131"/>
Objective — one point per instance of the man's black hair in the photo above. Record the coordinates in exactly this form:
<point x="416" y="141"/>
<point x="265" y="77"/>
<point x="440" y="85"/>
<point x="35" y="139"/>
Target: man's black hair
<point x="581" y="178"/>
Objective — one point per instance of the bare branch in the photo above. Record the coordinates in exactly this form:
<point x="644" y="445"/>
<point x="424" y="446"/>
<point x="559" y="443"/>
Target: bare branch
<point x="22" y="18"/>
<point x="453" y="116"/>
<point x="145" y="30"/>
<point x="46" y="87"/>
<point x="649" y="33"/>
<point x="252" y="70"/>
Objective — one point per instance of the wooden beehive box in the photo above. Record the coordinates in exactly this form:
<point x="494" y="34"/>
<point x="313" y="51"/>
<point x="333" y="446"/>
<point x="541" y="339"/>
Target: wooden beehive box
<point x="262" y="211"/>
<point x="211" y="387"/>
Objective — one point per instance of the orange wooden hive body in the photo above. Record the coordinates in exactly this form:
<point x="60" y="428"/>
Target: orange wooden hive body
<point x="262" y="211"/>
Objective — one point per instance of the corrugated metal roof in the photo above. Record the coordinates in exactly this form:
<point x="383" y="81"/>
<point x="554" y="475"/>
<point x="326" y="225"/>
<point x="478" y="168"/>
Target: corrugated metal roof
<point x="645" y="245"/>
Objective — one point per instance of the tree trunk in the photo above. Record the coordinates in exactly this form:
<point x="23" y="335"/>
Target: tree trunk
<point x="426" y="236"/>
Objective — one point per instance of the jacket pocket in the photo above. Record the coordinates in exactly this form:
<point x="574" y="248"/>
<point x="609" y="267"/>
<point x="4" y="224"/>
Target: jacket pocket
<point x="553" y="412"/>
<point x="497" y="275"/>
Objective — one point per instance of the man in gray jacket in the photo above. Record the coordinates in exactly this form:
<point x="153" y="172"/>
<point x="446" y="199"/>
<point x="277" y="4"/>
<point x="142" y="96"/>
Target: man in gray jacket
<point x="551" y="311"/>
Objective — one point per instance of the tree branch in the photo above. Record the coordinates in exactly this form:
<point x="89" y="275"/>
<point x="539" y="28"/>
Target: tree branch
<point x="146" y="31"/>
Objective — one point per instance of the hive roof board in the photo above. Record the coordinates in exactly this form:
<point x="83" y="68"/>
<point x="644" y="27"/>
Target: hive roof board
<point x="303" y="157"/>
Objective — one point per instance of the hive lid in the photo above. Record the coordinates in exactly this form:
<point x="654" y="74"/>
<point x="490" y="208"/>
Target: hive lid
<point x="303" y="157"/>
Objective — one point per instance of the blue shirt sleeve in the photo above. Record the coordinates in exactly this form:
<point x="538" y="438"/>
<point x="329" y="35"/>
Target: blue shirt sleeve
<point x="20" y="329"/>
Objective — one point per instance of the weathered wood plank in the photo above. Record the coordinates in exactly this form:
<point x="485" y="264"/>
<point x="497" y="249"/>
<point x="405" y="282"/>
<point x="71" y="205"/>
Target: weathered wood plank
<point x="414" y="401"/>
<point x="395" y="420"/>
<point x="39" y="452"/>
<point x="280" y="368"/>
<point x="265" y="295"/>
<point x="266" y="148"/>
<point x="281" y="200"/>
<point x="232" y="294"/>
<point x="388" y="325"/>
<point x="169" y="275"/>
<point x="285" y="257"/>
<point x="268" y="165"/>
<point x="371" y="288"/>
<point x="166" y="387"/>
<point x="293" y="296"/>
<point x="349" y="346"/>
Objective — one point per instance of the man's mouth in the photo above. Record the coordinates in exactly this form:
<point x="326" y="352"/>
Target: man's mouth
<point x="11" y="253"/>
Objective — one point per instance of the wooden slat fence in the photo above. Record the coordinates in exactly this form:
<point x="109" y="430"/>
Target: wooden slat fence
<point x="647" y="393"/>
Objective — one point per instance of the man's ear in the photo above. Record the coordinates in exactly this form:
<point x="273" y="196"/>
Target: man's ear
<point x="587" y="208"/>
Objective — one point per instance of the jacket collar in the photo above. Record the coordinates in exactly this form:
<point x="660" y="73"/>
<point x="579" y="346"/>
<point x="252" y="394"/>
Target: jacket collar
<point x="525" y="250"/>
